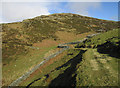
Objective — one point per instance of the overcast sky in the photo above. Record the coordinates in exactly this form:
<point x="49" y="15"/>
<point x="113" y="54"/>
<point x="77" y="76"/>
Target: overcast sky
<point x="17" y="10"/>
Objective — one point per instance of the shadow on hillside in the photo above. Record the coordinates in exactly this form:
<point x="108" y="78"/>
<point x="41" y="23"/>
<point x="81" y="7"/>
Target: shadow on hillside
<point x="67" y="78"/>
<point x="110" y="49"/>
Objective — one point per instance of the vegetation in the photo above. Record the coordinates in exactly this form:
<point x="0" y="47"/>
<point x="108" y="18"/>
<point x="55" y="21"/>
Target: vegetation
<point x="108" y="43"/>
<point x="20" y="34"/>
<point x="23" y="64"/>
<point x="100" y="63"/>
<point x="63" y="64"/>
<point x="19" y="40"/>
<point x="97" y="69"/>
<point x="111" y="36"/>
<point x="81" y="66"/>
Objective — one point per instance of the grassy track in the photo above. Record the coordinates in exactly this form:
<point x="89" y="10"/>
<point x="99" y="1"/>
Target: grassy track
<point x="97" y="70"/>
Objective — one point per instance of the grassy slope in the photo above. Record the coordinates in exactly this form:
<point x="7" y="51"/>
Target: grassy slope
<point x="20" y="34"/>
<point x="83" y="66"/>
<point x="17" y="37"/>
<point x="58" y="65"/>
<point x="111" y="36"/>
<point x="102" y="71"/>
<point x="100" y="63"/>
<point x="20" y="65"/>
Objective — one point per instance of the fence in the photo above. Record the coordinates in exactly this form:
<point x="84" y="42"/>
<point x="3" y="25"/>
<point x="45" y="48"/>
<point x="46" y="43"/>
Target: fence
<point x="23" y="77"/>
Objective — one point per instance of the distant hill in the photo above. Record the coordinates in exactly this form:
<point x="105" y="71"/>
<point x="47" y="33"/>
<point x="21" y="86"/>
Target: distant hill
<point x="15" y="36"/>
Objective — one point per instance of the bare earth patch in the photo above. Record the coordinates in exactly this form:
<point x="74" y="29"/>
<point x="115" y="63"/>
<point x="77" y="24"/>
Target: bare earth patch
<point x="46" y="43"/>
<point x="69" y="36"/>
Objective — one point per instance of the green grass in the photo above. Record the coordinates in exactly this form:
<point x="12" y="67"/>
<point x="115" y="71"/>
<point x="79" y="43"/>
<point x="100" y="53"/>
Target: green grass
<point x="95" y="69"/>
<point x="17" y="36"/>
<point x="51" y="67"/>
<point x="99" y="66"/>
<point x="102" y="71"/>
<point x="111" y="36"/>
<point x="22" y="64"/>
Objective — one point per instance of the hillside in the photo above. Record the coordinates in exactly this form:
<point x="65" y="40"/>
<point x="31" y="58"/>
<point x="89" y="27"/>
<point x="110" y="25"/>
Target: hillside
<point x="26" y="43"/>
<point x="102" y="56"/>
<point x="20" y="34"/>
<point x="82" y="66"/>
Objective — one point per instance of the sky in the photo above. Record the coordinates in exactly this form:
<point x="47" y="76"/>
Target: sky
<point x="15" y="11"/>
